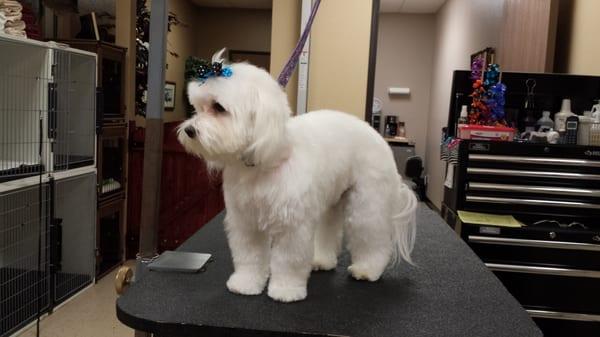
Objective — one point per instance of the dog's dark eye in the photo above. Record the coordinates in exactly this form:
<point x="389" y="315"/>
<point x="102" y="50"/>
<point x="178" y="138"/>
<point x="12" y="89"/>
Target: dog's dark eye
<point x="218" y="107"/>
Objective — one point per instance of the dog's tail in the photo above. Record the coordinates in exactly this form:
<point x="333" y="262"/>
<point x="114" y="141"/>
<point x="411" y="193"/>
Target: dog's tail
<point x="404" y="222"/>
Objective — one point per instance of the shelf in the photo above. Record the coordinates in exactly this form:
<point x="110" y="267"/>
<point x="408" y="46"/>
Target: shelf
<point x="113" y="195"/>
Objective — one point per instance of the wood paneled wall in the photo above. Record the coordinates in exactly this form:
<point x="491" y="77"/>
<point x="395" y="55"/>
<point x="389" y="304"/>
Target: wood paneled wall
<point x="528" y="35"/>
<point x="190" y="197"/>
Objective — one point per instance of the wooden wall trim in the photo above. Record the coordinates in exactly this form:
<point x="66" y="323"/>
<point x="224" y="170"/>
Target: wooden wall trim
<point x="372" y="60"/>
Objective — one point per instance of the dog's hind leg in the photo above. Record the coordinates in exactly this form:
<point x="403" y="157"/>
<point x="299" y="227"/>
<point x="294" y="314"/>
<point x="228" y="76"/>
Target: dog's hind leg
<point x="328" y="238"/>
<point x="368" y="230"/>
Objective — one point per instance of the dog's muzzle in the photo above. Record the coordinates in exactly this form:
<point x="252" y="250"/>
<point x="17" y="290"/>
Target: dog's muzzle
<point x="190" y="131"/>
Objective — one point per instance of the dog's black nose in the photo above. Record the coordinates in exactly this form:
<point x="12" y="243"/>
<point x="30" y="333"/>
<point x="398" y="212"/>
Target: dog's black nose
<point x="190" y="131"/>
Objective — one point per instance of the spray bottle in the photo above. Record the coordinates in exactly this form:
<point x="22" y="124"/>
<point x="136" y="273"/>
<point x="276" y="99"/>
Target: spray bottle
<point x="596" y="111"/>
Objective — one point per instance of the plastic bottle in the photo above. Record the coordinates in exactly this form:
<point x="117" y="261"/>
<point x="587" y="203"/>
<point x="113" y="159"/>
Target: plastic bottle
<point x="595" y="134"/>
<point x="462" y="120"/>
<point x="560" y="118"/>
<point x="552" y="136"/>
<point x="585" y="125"/>
<point x="545" y="123"/>
<point x="596" y="111"/>
<point x="463" y="116"/>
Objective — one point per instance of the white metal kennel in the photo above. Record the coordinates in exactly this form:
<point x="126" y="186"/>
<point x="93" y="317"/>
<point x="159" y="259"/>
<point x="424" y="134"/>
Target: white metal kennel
<point x="47" y="177"/>
<point x="47" y="108"/>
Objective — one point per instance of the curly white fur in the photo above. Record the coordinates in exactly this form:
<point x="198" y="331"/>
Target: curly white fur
<point x="292" y="185"/>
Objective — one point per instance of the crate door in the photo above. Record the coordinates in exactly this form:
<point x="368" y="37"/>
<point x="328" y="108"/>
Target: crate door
<point x="75" y="213"/>
<point x="73" y="120"/>
<point x="24" y="85"/>
<point x="24" y="286"/>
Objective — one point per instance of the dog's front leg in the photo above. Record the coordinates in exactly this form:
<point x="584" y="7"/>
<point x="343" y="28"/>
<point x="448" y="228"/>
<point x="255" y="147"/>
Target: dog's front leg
<point x="291" y="257"/>
<point x="250" y="251"/>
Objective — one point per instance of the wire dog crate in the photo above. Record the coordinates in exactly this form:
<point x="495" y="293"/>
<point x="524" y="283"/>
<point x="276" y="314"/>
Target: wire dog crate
<point x="47" y="108"/>
<point x="25" y="79"/>
<point x="73" y="234"/>
<point x="65" y="219"/>
<point x="47" y="177"/>
<point x="72" y="118"/>
<point x="24" y="286"/>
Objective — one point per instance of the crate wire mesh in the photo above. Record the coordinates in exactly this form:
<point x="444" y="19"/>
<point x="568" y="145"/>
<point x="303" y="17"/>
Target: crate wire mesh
<point x="23" y="286"/>
<point x="72" y="120"/>
<point x="47" y="124"/>
<point x="46" y="94"/>
<point x="24" y="84"/>
<point x="75" y="206"/>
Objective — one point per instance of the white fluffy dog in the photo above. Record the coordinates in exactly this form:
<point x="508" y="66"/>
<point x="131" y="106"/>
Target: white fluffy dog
<point x="292" y="185"/>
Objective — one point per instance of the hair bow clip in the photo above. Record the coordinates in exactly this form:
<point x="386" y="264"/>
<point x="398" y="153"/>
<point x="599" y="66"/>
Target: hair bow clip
<point x="216" y="69"/>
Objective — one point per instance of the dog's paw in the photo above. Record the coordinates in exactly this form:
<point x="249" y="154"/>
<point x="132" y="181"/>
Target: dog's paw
<point x="286" y="294"/>
<point x="364" y="273"/>
<point x="324" y="263"/>
<point x="246" y="283"/>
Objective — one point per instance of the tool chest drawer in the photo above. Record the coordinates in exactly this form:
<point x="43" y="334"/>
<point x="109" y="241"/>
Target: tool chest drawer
<point x="542" y="288"/>
<point x="544" y="247"/>
<point x="558" y="324"/>
<point x="553" y="272"/>
<point x="544" y="180"/>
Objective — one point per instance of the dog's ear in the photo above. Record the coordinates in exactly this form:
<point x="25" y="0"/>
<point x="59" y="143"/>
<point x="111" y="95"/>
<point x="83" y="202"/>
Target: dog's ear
<point x="269" y="133"/>
<point x="218" y="56"/>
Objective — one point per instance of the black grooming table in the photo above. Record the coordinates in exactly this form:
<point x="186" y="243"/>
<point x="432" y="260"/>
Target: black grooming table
<point x="449" y="293"/>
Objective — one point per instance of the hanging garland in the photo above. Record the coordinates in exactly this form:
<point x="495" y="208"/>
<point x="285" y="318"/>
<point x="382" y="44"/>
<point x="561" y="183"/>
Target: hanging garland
<point x="142" y="44"/>
<point x="142" y="27"/>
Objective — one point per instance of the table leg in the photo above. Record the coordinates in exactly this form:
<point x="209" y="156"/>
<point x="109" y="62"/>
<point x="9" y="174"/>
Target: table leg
<point x="142" y="334"/>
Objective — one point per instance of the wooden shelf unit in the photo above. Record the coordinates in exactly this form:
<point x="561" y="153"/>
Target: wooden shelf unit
<point x="112" y="152"/>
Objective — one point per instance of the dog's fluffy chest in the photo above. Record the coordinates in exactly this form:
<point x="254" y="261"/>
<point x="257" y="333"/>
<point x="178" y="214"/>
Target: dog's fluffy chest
<point x="271" y="200"/>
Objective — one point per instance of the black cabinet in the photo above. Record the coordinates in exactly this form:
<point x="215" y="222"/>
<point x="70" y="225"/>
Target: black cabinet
<point x="109" y="236"/>
<point x="552" y="264"/>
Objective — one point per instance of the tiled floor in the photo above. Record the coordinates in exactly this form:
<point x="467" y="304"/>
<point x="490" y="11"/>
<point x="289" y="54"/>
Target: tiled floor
<point x="91" y="314"/>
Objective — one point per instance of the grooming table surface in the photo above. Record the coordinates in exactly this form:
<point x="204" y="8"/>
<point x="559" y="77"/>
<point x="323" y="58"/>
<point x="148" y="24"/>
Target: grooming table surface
<point x="449" y="293"/>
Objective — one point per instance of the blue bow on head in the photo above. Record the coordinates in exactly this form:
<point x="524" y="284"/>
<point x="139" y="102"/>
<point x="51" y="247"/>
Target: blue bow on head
<point x="206" y="70"/>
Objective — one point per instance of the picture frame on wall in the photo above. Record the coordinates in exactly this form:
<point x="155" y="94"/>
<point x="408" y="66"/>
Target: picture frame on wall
<point x="487" y="55"/>
<point x="170" y="91"/>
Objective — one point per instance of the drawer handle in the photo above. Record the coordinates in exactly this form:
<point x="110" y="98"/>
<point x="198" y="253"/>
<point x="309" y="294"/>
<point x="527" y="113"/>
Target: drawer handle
<point x="527" y="173"/>
<point x="534" y="202"/>
<point x="515" y="268"/>
<point x="534" y="243"/>
<point x="563" y="315"/>
<point x="534" y="160"/>
<point x="582" y="192"/>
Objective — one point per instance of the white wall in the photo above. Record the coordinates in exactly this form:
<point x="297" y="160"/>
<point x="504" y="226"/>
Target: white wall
<point x="339" y="52"/>
<point x="285" y="30"/>
<point x="339" y="56"/>
<point x="405" y="49"/>
<point x="463" y="27"/>
<point x="580" y="46"/>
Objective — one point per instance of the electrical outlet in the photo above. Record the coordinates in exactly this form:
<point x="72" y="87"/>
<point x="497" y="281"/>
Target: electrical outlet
<point x="426" y="179"/>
